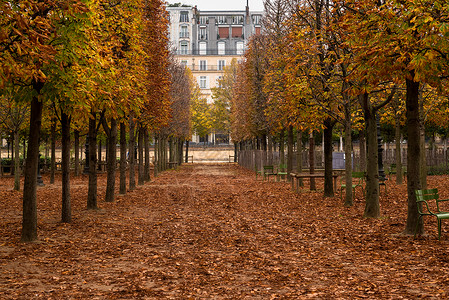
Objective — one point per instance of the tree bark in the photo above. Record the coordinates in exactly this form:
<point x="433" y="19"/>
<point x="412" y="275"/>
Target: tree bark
<point x="413" y="156"/>
<point x="92" y="189"/>
<point x="53" y="151"/>
<point x="312" y="161"/>
<point x="140" y="177"/>
<point x="327" y="134"/>
<point x="131" y="157"/>
<point x="397" y="150"/>
<point x="422" y="139"/>
<point x="187" y="152"/>
<point x="290" y="143"/>
<point x="16" y="161"/>
<point x="29" y="215"/>
<point x="362" y="147"/>
<point x="66" y="213"/>
<point x="348" y="159"/>
<point x="372" y="207"/>
<point x="146" y="138"/>
<point x="111" y="160"/>
<point x="122" y="158"/>
<point x="299" y="155"/>
<point x="77" y="152"/>
<point x="156" y="155"/>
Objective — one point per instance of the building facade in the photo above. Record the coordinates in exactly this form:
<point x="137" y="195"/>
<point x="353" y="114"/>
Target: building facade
<point x="207" y="41"/>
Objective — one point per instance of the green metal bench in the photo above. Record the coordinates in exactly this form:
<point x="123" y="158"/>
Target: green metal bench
<point x="358" y="181"/>
<point x="267" y="170"/>
<point x="281" y="171"/>
<point x="427" y="199"/>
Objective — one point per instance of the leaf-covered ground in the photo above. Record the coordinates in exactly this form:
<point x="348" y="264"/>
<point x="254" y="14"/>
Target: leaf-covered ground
<point x="213" y="231"/>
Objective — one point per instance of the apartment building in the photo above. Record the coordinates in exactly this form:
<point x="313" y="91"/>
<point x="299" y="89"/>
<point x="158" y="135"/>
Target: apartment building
<point x="207" y="41"/>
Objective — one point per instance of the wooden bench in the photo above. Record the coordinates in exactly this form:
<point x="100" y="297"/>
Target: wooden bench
<point x="310" y="176"/>
<point x="428" y="205"/>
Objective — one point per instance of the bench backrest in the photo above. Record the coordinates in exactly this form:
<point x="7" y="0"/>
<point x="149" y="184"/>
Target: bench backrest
<point x="429" y="197"/>
<point x="268" y="168"/>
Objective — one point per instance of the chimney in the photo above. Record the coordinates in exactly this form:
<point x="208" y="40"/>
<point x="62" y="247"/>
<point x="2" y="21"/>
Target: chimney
<point x="247" y="13"/>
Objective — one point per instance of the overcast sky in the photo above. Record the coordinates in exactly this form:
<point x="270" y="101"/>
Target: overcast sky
<point x="254" y="5"/>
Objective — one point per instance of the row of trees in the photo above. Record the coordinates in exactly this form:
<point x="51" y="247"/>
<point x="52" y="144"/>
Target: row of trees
<point x="322" y="63"/>
<point x="85" y="66"/>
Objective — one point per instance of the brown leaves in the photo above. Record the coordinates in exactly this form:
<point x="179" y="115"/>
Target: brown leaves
<point x="213" y="231"/>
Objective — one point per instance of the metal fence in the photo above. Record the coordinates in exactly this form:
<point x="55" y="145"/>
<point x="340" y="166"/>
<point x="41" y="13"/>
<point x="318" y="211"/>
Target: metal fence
<point x="436" y="158"/>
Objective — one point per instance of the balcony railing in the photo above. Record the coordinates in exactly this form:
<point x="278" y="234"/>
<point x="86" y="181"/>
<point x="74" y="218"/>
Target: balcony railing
<point x="183" y="34"/>
<point x="208" y="68"/>
<point x="210" y="52"/>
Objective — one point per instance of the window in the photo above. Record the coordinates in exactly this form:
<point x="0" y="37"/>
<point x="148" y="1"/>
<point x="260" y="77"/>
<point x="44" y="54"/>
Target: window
<point x="222" y="20"/>
<point x="237" y="32"/>
<point x="239" y="47"/>
<point x="221" y="48"/>
<point x="203" y="20"/>
<point x="202" y="35"/>
<point x="184" y="17"/>
<point x="223" y="32"/>
<point x="184" y="48"/>
<point x="203" y="48"/>
<point x="203" y="65"/>
<point x="256" y="19"/>
<point x="221" y="65"/>
<point x="237" y="20"/>
<point x="203" y="82"/>
<point x="219" y="81"/>
<point x="184" y="63"/>
<point x="184" y="32"/>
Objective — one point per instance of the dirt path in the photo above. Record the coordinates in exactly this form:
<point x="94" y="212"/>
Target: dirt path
<point x="213" y="232"/>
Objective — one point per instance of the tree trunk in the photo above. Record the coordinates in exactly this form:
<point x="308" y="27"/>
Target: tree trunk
<point x="236" y="151"/>
<point x="422" y="139"/>
<point x="397" y="150"/>
<point x="372" y="207"/>
<point x="312" y="161"/>
<point x="348" y="158"/>
<point x="290" y="143"/>
<point x="327" y="137"/>
<point x="99" y="146"/>
<point x="270" y="149"/>
<point x="111" y="161"/>
<point x="29" y="215"/>
<point x="140" y="176"/>
<point x="156" y="155"/>
<point x="131" y="155"/>
<point x="92" y="189"/>
<point x="362" y="148"/>
<point x="53" y="151"/>
<point x="281" y="147"/>
<point x="299" y="155"/>
<point x="66" y="213"/>
<point x="16" y="162"/>
<point x="413" y="156"/>
<point x="146" y="139"/>
<point x="77" y="152"/>
<point x="187" y="152"/>
<point x="122" y="158"/>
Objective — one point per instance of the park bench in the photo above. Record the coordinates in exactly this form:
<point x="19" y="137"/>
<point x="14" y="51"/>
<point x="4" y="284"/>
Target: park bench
<point x="280" y="171"/>
<point x="358" y="179"/>
<point x="428" y="205"/>
<point x="267" y="170"/>
<point x="299" y="176"/>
